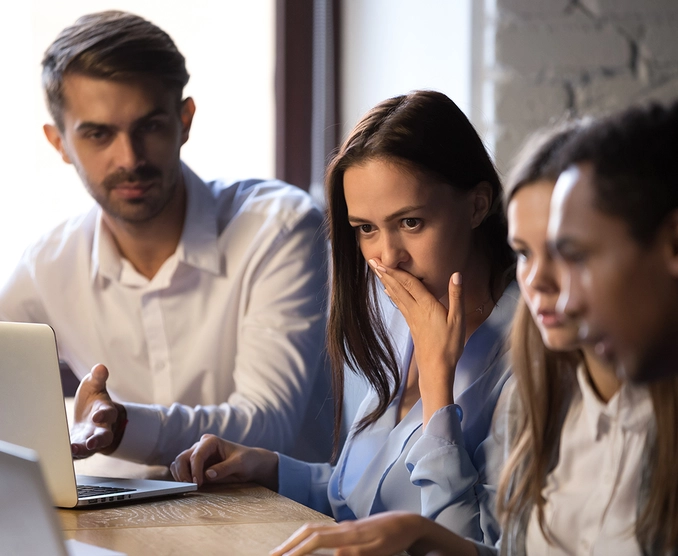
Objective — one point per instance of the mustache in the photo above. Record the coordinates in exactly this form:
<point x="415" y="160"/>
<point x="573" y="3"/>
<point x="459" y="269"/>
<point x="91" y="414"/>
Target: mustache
<point x="142" y="173"/>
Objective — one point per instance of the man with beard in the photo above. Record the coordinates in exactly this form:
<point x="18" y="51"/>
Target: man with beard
<point x="205" y="301"/>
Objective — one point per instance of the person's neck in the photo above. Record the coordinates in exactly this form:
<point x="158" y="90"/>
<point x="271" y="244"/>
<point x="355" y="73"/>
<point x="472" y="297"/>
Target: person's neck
<point x="478" y="299"/>
<point x="603" y="377"/>
<point x="147" y="245"/>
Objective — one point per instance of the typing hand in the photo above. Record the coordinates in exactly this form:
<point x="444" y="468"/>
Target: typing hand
<point x="96" y="417"/>
<point x="378" y="535"/>
<point x="381" y="534"/>
<point x="216" y="460"/>
<point x="438" y="332"/>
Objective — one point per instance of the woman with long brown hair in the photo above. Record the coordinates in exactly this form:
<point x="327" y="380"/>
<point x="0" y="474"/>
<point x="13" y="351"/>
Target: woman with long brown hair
<point x="413" y="200"/>
<point x="591" y="456"/>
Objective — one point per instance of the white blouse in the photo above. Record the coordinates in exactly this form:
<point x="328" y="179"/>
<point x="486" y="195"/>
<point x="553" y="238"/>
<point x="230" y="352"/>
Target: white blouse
<point x="591" y="495"/>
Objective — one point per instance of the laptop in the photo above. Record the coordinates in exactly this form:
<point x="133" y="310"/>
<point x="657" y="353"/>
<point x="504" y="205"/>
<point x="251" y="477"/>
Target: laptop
<point x="28" y="523"/>
<point x="33" y="415"/>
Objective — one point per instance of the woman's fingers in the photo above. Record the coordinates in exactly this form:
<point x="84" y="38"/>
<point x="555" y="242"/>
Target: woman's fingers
<point x="209" y="449"/>
<point x="456" y="297"/>
<point x="181" y="467"/>
<point x="405" y="290"/>
<point x="456" y="315"/>
<point x="378" y="535"/>
<point x="189" y="465"/>
<point x="312" y="537"/>
<point x="297" y="540"/>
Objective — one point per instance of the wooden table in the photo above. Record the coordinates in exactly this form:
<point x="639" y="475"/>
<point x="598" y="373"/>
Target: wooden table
<point x="225" y="520"/>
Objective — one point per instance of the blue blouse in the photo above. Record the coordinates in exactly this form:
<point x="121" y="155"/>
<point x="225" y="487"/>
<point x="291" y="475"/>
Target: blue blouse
<point x="439" y="472"/>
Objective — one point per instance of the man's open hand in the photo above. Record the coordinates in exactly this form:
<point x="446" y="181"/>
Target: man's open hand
<point x="95" y="416"/>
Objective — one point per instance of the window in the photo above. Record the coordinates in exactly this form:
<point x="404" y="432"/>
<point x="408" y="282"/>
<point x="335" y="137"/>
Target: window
<point x="390" y="47"/>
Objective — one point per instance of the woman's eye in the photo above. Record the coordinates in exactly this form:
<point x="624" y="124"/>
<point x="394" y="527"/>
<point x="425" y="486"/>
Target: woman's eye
<point x="365" y="228"/>
<point x="411" y="222"/>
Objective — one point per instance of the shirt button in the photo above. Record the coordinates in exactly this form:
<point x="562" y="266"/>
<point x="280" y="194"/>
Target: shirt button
<point x="159" y="366"/>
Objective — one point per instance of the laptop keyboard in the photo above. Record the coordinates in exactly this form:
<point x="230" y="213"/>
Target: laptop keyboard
<point x="85" y="491"/>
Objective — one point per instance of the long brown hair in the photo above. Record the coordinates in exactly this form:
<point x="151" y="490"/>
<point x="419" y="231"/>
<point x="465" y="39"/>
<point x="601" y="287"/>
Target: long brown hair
<point x="424" y="132"/>
<point x="544" y="379"/>
<point x="545" y="382"/>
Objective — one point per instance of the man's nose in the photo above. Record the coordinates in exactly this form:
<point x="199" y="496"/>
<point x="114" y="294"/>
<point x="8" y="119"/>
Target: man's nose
<point x="570" y="300"/>
<point x="127" y="152"/>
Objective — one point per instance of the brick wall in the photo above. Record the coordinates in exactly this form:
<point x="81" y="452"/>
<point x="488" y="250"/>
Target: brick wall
<point x="557" y="57"/>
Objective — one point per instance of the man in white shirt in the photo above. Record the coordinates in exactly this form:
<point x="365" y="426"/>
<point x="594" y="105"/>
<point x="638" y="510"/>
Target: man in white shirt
<point x="206" y="301"/>
<point x="614" y="225"/>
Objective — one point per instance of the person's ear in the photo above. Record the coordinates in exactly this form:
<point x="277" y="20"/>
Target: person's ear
<point x="671" y="250"/>
<point x="187" y="112"/>
<point x="481" y="198"/>
<point x="54" y="137"/>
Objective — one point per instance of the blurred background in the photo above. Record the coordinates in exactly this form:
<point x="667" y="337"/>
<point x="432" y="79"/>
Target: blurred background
<point x="278" y="83"/>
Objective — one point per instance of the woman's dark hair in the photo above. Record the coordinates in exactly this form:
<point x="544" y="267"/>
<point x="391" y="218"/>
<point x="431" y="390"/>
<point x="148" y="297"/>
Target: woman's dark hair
<point x="633" y="155"/>
<point x="110" y="45"/>
<point x="427" y="133"/>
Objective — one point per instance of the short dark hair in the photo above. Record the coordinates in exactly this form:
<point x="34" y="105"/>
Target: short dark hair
<point x="633" y="154"/>
<point x="424" y="132"/>
<point x="110" y="45"/>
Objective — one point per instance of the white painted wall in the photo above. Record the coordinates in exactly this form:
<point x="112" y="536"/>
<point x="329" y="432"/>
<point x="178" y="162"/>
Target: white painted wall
<point x="391" y="47"/>
<point x="229" y="49"/>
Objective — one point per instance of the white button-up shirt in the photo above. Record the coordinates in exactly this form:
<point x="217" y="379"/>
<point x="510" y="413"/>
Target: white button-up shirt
<point x="226" y="338"/>
<point x="592" y="494"/>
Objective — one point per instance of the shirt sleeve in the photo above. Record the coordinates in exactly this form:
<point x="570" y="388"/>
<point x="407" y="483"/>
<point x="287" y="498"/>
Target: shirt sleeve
<point x="278" y="370"/>
<point x="484" y="550"/>
<point x="305" y="483"/>
<point x="443" y="470"/>
<point x="459" y="490"/>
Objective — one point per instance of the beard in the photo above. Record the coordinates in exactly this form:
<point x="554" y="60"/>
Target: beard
<point x="140" y="174"/>
<point x="158" y="191"/>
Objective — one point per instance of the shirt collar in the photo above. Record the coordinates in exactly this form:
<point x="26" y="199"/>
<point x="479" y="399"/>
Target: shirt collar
<point x="106" y="259"/>
<point x="630" y="408"/>
<point x="198" y="245"/>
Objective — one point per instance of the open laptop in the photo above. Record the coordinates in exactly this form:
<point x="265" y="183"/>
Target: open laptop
<point x="28" y="523"/>
<point x="33" y="414"/>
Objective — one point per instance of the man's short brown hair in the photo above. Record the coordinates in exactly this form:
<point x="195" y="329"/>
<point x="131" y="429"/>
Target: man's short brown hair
<point x="110" y="45"/>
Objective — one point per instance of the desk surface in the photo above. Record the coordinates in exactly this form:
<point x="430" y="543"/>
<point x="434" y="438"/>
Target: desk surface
<point x="226" y="520"/>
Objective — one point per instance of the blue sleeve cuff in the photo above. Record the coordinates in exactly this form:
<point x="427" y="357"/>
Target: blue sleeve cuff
<point x="305" y="483"/>
<point x="445" y="424"/>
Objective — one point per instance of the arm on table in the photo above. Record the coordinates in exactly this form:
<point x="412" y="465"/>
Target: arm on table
<point x="438" y="462"/>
